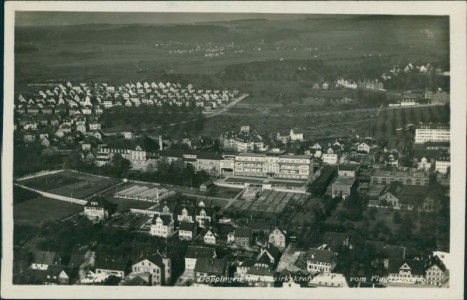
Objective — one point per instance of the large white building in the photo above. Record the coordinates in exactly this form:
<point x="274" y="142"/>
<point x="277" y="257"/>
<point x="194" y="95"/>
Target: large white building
<point x="442" y="164"/>
<point x="277" y="165"/>
<point x="432" y="132"/>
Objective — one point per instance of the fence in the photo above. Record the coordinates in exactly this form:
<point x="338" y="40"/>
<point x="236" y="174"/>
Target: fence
<point x="55" y="196"/>
<point x="38" y="174"/>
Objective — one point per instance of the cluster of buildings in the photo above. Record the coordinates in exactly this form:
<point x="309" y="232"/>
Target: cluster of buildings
<point x="67" y="111"/>
<point x="374" y="85"/>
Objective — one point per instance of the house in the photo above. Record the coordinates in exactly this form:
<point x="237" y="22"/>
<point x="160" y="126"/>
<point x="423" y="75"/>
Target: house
<point x="443" y="164"/>
<point x="269" y="255"/>
<point x="209" y="268"/>
<point x="330" y="157"/>
<point x="29" y="137"/>
<point x="241" y="236"/>
<point x="336" y="241"/>
<point x="328" y="280"/>
<point x="187" y="231"/>
<point x="97" y="209"/>
<point x="406" y="197"/>
<point x="205" y="216"/>
<point x="162" y="226"/>
<point x="193" y="253"/>
<point x="260" y="275"/>
<point x="43" y="259"/>
<point x="81" y="127"/>
<point x="94" y="125"/>
<point x="153" y="265"/>
<point x="363" y="148"/>
<point x="109" y="265"/>
<point x="319" y="261"/>
<point x="296" y="135"/>
<point x="211" y="236"/>
<point x="185" y="213"/>
<point x="405" y="271"/>
<point x="343" y="186"/>
<point x="278" y="238"/>
<point x="60" y="275"/>
<point x="45" y="142"/>
<point x="347" y="170"/>
<point x="436" y="272"/>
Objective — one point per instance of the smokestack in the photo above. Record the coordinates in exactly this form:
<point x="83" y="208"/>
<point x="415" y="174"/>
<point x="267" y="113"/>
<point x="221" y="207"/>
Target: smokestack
<point x="161" y="145"/>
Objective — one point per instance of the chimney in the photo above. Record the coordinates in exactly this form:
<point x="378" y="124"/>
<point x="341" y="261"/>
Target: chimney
<point x="161" y="145"/>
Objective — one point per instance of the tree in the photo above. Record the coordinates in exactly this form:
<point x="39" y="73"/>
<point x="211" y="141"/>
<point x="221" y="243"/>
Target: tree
<point x="396" y="217"/>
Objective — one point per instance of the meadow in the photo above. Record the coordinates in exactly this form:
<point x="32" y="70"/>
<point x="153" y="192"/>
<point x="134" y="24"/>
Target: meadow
<point x="39" y="209"/>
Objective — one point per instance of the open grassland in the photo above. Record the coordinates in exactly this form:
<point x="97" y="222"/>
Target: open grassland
<point x="36" y="210"/>
<point x="70" y="184"/>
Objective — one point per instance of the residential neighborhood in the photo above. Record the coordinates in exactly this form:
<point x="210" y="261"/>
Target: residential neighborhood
<point x="291" y="153"/>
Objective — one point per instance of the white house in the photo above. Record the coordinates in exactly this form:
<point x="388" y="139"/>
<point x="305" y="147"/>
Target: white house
<point x="162" y="226"/>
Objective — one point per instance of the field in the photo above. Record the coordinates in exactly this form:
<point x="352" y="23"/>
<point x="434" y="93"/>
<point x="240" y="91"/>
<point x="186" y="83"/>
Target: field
<point x="270" y="202"/>
<point x="262" y="58"/>
<point x="390" y="123"/>
<point x="34" y="211"/>
<point x="222" y="192"/>
<point x="70" y="184"/>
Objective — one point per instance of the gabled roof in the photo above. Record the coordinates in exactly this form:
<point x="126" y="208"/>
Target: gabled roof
<point x="155" y="258"/>
<point x="187" y="226"/>
<point x="317" y="255"/>
<point x="200" y="252"/>
<point x="260" y="270"/>
<point x="111" y="263"/>
<point x="98" y="202"/>
<point x="45" y="257"/>
<point x="166" y="219"/>
<point x="334" y="238"/>
<point x="242" y="232"/>
<point x="211" y="266"/>
<point x="436" y="261"/>
<point x="416" y="266"/>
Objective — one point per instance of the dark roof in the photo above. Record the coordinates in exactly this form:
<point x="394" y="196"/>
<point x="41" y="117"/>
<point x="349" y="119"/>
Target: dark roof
<point x="258" y="224"/>
<point x="166" y="219"/>
<point x="76" y="259"/>
<point x="410" y="194"/>
<point x="209" y="210"/>
<point x="187" y="226"/>
<point x="242" y="232"/>
<point x="260" y="270"/>
<point x="200" y="252"/>
<point x="155" y="258"/>
<point x="189" y="208"/>
<point x="208" y="155"/>
<point x="134" y="281"/>
<point x="100" y="202"/>
<point x="317" y="255"/>
<point x="334" y="238"/>
<point x="146" y="143"/>
<point x="386" y="251"/>
<point x="301" y="261"/>
<point x="71" y="272"/>
<point x="273" y="251"/>
<point x="45" y="257"/>
<point x="348" y="167"/>
<point x="111" y="263"/>
<point x="415" y="265"/>
<point x="435" y="260"/>
<point x="211" y="266"/>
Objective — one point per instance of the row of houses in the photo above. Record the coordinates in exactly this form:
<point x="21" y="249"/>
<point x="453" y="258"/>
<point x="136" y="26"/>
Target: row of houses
<point x="94" y="98"/>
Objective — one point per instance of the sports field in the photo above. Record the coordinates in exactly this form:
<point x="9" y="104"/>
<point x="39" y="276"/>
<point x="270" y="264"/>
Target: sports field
<point x="34" y="211"/>
<point x="70" y="184"/>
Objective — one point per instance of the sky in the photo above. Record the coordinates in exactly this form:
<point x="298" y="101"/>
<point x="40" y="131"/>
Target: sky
<point x="75" y="18"/>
